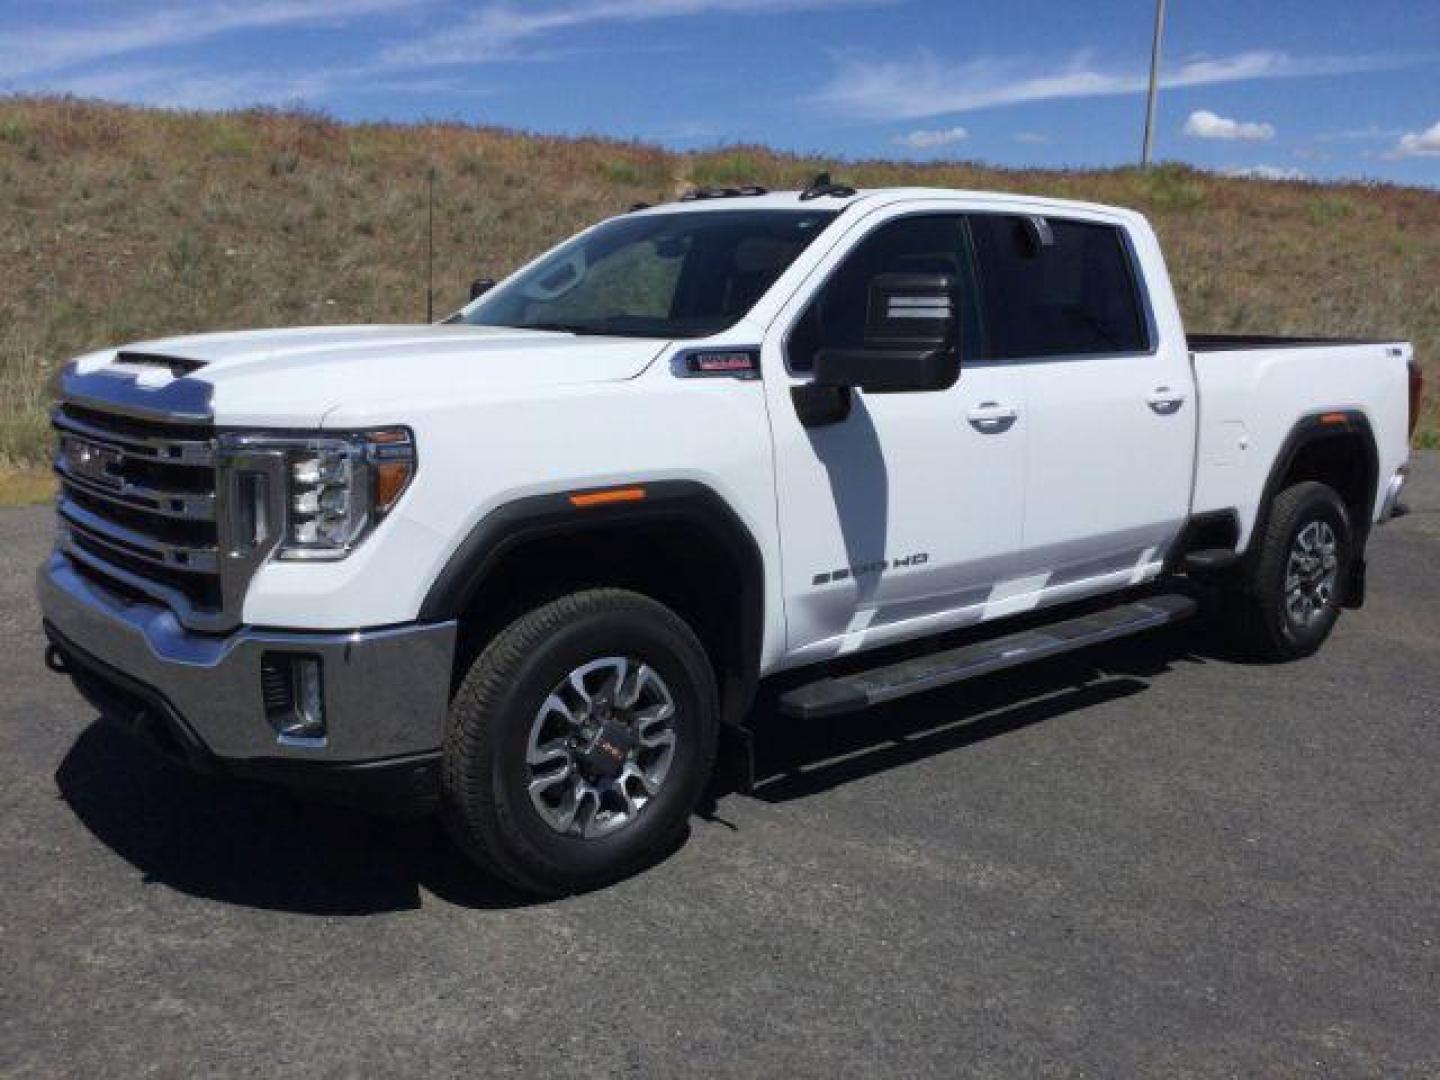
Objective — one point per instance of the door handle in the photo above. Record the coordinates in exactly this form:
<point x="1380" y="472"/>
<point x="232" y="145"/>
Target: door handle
<point x="1165" y="401"/>
<point x="991" y="417"/>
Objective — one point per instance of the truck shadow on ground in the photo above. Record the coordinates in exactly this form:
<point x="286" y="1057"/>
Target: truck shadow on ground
<point x="795" y="759"/>
<point x="261" y="847"/>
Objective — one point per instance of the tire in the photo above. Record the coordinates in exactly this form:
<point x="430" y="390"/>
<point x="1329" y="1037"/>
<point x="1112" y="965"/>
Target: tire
<point x="518" y="711"/>
<point x="1265" y="619"/>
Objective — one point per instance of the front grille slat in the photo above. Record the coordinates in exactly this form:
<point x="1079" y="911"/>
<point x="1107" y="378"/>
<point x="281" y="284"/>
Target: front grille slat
<point x="196" y="595"/>
<point x="177" y="504"/>
<point x="199" y="453"/>
<point x="173" y="556"/>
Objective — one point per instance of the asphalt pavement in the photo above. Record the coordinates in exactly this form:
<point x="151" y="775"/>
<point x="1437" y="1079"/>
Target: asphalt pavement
<point x="1145" y="860"/>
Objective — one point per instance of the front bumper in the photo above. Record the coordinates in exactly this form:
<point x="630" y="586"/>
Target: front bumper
<point x="199" y="697"/>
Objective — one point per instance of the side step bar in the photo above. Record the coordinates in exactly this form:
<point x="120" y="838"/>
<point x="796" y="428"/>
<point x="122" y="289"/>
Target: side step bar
<point x="1210" y="559"/>
<point x="851" y="693"/>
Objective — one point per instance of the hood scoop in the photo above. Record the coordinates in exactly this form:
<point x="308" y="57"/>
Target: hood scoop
<point x="176" y="365"/>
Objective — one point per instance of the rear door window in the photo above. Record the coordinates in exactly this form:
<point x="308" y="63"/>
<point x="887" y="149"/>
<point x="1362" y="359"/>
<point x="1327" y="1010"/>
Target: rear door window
<point x="1076" y="295"/>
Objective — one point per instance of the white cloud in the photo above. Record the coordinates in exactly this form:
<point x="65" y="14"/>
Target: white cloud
<point x="189" y="88"/>
<point x="200" y="88"/>
<point x="34" y="49"/>
<point x="1204" y="124"/>
<point x="931" y="139"/>
<point x="62" y="59"/>
<point x="1264" y="172"/>
<point x="501" y="30"/>
<point x="1418" y="144"/>
<point x="922" y="86"/>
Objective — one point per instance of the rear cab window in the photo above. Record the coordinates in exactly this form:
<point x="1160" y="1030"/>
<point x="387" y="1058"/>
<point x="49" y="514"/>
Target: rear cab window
<point x="1056" y="287"/>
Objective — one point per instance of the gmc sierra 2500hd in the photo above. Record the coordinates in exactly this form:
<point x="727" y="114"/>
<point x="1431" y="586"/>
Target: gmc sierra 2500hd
<point x="523" y="565"/>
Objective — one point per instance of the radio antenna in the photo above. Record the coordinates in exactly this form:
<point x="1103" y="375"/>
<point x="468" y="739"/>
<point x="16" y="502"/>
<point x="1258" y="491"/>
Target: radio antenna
<point x="430" y="249"/>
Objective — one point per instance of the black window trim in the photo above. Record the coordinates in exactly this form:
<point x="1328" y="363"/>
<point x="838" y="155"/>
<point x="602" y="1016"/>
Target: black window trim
<point x="1133" y="271"/>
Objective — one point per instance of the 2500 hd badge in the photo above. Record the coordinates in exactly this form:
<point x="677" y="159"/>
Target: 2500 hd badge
<point x="877" y="567"/>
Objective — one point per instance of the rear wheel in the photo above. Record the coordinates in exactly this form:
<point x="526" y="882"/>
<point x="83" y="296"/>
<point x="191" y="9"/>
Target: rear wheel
<point x="580" y="741"/>
<point x="1289" y="599"/>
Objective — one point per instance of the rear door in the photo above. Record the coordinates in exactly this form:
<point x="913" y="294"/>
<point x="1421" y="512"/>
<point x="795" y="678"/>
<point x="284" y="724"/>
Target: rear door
<point x="1110" y="404"/>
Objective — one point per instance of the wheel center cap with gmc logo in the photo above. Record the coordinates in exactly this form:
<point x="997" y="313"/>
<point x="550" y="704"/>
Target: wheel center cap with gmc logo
<point x="604" y="758"/>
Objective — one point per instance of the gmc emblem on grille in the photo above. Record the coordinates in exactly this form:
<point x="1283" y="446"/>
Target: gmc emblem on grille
<point x="93" y="462"/>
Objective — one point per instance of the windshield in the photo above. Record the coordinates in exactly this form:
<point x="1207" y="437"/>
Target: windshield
<point x="679" y="275"/>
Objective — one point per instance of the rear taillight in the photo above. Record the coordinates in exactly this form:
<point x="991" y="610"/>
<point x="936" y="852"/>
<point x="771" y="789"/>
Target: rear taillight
<point x="1417" y="387"/>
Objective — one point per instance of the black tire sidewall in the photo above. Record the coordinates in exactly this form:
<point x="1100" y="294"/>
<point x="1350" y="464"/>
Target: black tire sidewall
<point x="677" y="658"/>
<point x="1316" y="503"/>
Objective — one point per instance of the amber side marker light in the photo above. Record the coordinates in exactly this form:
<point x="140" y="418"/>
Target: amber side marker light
<point x="391" y="479"/>
<point x="585" y="500"/>
<point x="1334" y="418"/>
<point x="392" y="454"/>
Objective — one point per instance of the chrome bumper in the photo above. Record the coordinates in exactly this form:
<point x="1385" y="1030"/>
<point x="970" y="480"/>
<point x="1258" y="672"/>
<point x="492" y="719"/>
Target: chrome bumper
<point x="385" y="691"/>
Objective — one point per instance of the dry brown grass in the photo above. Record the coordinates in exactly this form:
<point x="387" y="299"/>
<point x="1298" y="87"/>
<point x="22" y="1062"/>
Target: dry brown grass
<point x="124" y="223"/>
<point x="25" y="485"/>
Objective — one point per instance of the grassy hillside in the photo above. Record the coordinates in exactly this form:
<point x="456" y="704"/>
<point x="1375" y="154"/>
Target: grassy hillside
<point x="124" y="223"/>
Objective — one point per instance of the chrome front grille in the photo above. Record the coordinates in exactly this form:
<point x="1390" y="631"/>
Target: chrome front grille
<point x="156" y="505"/>
<point x="138" y="507"/>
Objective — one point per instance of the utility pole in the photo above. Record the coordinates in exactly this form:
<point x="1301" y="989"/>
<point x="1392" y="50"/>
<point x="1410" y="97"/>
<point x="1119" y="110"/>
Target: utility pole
<point x="1154" y="83"/>
<point x="430" y="248"/>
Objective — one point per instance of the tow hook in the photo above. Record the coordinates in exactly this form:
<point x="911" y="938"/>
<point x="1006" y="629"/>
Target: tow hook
<point x="55" y="660"/>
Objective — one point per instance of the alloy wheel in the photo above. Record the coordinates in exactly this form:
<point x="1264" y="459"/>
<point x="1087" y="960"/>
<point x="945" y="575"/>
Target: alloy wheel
<point x="600" y="747"/>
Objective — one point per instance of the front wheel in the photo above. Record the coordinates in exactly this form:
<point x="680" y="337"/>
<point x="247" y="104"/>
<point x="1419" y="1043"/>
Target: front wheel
<point x="1289" y="599"/>
<point x="580" y="741"/>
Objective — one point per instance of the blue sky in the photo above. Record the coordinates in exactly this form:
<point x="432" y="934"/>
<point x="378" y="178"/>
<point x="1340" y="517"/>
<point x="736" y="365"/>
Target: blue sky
<point x="1324" y="88"/>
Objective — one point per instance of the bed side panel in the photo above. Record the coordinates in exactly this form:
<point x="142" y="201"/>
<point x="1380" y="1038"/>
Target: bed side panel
<point x="1251" y="399"/>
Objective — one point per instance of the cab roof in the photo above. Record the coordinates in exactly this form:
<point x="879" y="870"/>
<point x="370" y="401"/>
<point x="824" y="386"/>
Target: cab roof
<point x="870" y="198"/>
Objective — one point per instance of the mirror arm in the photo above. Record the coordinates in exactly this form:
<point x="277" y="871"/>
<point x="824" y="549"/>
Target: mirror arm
<point x="819" y="404"/>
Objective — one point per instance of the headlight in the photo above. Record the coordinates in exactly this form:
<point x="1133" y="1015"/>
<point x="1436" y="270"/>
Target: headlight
<point x="340" y="488"/>
<point x="337" y="487"/>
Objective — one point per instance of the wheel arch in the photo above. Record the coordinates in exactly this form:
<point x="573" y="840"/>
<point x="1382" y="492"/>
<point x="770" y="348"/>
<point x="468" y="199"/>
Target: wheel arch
<point x="681" y="544"/>
<point x="1336" y="447"/>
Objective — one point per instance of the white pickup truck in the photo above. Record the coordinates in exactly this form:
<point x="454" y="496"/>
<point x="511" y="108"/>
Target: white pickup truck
<point x="525" y="565"/>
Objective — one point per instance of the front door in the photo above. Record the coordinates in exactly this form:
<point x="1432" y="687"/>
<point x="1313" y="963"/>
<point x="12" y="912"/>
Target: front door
<point x="901" y="517"/>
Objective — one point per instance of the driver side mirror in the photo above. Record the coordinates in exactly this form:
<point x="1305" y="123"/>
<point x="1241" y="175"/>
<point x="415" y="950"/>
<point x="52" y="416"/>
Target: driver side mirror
<point x="912" y="338"/>
<point x="480" y="286"/>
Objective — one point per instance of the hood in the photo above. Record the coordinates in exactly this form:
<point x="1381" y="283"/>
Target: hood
<point x="297" y="376"/>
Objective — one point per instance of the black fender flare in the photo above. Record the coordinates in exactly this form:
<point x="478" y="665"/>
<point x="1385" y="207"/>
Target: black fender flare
<point x="511" y="525"/>
<point x="1314" y="428"/>
<point x="1308" y="430"/>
